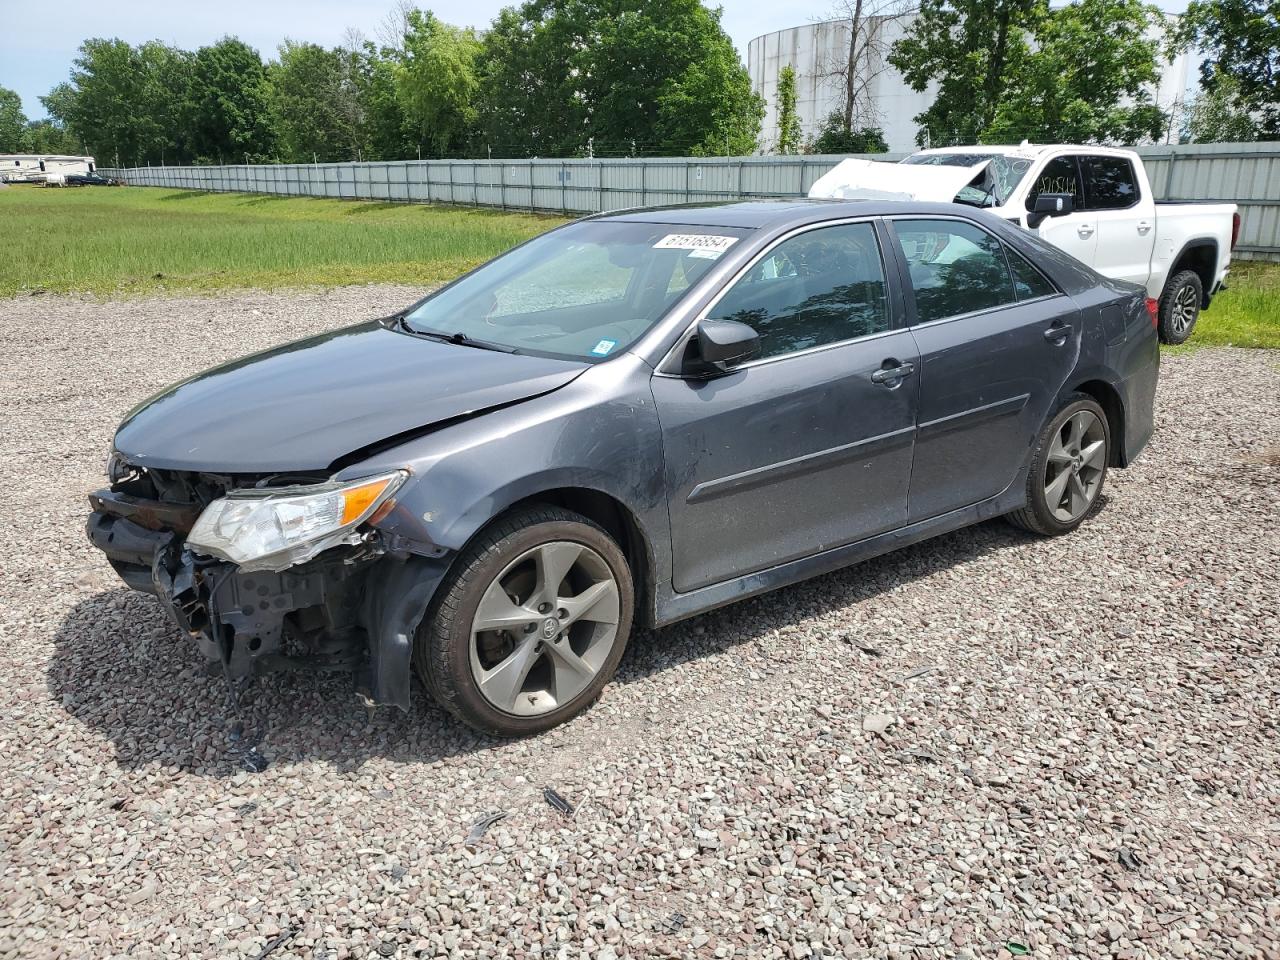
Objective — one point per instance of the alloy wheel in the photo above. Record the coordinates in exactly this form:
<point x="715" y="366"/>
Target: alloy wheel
<point x="544" y="628"/>
<point x="1185" y="309"/>
<point x="1076" y="463"/>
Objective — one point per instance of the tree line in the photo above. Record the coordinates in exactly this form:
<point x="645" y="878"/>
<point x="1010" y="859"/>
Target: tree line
<point x="566" y="78"/>
<point x="1085" y="72"/>
<point x="547" y="78"/>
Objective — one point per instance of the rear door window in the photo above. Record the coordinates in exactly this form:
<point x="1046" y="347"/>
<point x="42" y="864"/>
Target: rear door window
<point x="1027" y="280"/>
<point x="1110" y="183"/>
<point x="955" y="267"/>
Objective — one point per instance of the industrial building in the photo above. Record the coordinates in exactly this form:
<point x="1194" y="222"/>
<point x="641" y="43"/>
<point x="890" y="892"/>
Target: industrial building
<point x="816" y="49"/>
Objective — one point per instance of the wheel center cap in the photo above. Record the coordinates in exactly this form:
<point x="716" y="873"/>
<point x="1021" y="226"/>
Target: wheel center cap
<point x="550" y="627"/>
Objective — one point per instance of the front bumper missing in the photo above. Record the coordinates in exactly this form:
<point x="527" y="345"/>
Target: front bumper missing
<point x="350" y="608"/>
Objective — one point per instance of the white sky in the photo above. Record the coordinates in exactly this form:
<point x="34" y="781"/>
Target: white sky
<point x="38" y="40"/>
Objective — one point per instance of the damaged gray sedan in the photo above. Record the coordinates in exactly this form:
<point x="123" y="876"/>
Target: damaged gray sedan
<point x="630" y="419"/>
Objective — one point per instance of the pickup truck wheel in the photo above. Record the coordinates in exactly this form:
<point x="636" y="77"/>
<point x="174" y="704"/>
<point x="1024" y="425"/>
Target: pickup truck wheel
<point x="1068" y="469"/>
<point x="1180" y="306"/>
<point x="530" y="623"/>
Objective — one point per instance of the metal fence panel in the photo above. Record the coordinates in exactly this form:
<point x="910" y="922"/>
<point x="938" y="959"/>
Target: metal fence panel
<point x="1247" y="174"/>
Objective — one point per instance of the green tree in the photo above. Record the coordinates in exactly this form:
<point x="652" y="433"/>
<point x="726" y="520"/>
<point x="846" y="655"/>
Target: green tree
<point x="436" y="82"/>
<point x="1217" y="115"/>
<point x="226" y="109"/>
<point x="60" y="103"/>
<point x="1089" y="78"/>
<point x="310" y="88"/>
<point x="710" y="108"/>
<point x="385" y="131"/>
<point x="562" y="77"/>
<point x="971" y="49"/>
<point x="125" y="101"/>
<point x="526" y="102"/>
<point x="13" y="122"/>
<point x="834" y="138"/>
<point x="45" y="136"/>
<point x="788" y="121"/>
<point x="1241" y="43"/>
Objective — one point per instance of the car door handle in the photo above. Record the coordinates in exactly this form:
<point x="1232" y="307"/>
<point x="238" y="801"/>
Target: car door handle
<point x="1144" y="227"/>
<point x="892" y="374"/>
<point x="1058" y="332"/>
<point x="1085" y="231"/>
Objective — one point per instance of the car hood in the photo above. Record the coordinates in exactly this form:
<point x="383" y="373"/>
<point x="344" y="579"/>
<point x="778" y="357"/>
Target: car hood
<point x="304" y="405"/>
<point x="874" y="180"/>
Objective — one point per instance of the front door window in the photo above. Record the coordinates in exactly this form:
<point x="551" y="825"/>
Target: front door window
<point x="821" y="286"/>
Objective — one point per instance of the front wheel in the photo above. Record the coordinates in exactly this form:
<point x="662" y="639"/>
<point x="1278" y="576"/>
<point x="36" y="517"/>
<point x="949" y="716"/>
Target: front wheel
<point x="1180" y="306"/>
<point x="1068" y="469"/>
<point x="529" y="625"/>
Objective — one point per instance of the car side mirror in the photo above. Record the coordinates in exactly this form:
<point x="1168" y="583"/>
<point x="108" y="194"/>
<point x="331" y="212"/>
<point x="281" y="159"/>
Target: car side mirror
<point x="723" y="343"/>
<point x="1050" y="205"/>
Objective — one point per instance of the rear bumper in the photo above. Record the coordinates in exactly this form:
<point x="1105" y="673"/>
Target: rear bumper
<point x="1218" y="287"/>
<point x="349" y="608"/>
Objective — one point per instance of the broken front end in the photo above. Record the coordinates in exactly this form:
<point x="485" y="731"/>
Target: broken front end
<point x="273" y="572"/>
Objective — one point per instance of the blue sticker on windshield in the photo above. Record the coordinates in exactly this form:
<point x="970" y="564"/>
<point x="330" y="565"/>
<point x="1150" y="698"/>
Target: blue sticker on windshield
<point x="602" y="348"/>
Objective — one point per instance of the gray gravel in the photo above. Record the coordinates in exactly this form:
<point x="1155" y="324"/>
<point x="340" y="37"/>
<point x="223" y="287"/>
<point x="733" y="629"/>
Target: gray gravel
<point x="979" y="744"/>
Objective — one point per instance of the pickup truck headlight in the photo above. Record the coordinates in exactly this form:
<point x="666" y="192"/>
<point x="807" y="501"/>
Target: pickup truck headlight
<point x="275" y="528"/>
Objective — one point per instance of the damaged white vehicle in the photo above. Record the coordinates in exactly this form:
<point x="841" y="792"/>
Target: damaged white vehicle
<point x="1096" y="203"/>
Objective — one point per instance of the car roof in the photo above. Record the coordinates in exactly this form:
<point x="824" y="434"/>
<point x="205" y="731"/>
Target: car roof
<point x="764" y="214"/>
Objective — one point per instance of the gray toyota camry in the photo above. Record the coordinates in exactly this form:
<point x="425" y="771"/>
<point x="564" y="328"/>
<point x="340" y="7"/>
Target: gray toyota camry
<point x="628" y="420"/>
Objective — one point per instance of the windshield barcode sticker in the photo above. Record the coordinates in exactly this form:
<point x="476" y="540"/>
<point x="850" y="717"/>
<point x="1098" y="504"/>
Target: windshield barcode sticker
<point x="703" y="245"/>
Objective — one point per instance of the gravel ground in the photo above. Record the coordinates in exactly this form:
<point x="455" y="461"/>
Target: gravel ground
<point x="1080" y="758"/>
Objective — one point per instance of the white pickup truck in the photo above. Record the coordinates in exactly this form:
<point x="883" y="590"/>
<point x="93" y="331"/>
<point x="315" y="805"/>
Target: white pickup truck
<point x="1096" y="203"/>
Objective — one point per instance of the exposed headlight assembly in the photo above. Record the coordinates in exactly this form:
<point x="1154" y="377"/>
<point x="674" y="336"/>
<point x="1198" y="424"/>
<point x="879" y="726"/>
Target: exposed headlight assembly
<point x="278" y="527"/>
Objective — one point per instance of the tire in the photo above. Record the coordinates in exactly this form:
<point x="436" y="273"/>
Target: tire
<point x="1180" y="306"/>
<point x="1060" y="451"/>
<point x="554" y="644"/>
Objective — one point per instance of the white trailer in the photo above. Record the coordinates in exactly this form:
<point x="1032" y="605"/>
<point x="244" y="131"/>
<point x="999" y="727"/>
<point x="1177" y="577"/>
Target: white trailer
<point x="41" y="168"/>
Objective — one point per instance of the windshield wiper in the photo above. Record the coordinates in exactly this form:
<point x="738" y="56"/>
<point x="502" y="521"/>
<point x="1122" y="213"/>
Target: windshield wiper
<point x="460" y="339"/>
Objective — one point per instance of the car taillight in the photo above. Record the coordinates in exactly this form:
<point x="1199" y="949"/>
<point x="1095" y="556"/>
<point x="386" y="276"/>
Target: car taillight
<point x="1235" y="229"/>
<point x="1153" y="308"/>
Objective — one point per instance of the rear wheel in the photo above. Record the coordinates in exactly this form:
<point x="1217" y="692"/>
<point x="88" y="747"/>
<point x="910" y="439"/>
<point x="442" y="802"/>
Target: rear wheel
<point x="1068" y="469"/>
<point x="1180" y="306"/>
<point x="530" y="624"/>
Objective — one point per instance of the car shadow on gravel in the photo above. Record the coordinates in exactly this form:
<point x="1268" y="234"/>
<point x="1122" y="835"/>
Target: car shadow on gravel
<point x="862" y="583"/>
<point x="120" y="668"/>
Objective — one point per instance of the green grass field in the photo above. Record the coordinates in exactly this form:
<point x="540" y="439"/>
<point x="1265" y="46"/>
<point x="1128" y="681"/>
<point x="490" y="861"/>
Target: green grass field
<point x="1247" y="314"/>
<point x="108" y="241"/>
<point x="143" y="240"/>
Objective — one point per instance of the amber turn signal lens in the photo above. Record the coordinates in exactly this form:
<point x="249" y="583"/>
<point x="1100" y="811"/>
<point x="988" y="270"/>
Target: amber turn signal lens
<point x="357" y="500"/>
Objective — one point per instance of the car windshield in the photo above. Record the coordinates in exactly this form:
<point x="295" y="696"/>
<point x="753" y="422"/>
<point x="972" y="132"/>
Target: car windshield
<point x="586" y="291"/>
<point x="996" y="183"/>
